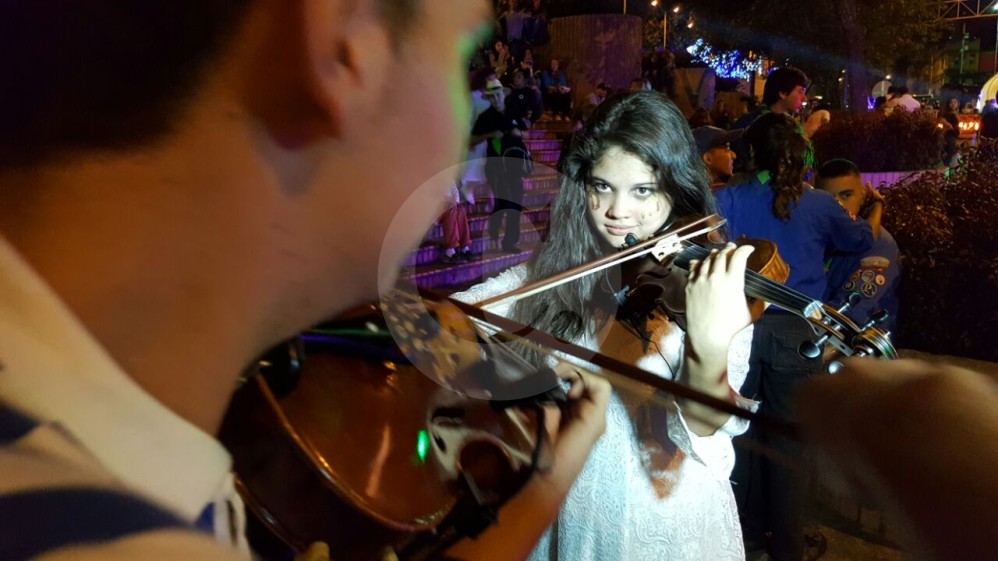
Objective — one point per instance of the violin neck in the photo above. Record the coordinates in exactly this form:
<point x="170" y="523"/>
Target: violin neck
<point x="761" y="287"/>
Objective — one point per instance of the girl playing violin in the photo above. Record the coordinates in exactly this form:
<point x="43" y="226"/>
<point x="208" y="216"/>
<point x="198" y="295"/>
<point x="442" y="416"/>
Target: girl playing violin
<point x="656" y="484"/>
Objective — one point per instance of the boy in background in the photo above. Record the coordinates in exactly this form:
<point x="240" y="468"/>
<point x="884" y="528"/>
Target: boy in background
<point x="872" y="274"/>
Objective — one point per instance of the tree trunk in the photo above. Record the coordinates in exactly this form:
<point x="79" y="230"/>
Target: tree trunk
<point x="594" y="49"/>
<point x="856" y="73"/>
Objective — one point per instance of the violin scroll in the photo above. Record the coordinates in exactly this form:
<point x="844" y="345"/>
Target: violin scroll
<point x="847" y="337"/>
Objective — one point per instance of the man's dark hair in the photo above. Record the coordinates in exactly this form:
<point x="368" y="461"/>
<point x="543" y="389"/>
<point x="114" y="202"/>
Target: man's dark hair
<point x="901" y="90"/>
<point x="480" y="77"/>
<point x="783" y="81"/>
<point x="839" y="167"/>
<point x="107" y="74"/>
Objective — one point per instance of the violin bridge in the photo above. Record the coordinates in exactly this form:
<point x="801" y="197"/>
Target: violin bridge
<point x="668" y="246"/>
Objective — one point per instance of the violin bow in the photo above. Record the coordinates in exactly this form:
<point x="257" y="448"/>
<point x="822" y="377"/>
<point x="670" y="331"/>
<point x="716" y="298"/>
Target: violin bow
<point x="661" y="245"/>
<point x="625" y="370"/>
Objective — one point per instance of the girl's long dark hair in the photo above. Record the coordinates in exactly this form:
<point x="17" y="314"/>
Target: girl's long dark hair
<point x="778" y="145"/>
<point x="649" y="126"/>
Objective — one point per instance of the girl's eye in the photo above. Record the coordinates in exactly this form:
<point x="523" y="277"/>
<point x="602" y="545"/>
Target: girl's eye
<point x="643" y="191"/>
<point x="601" y="187"/>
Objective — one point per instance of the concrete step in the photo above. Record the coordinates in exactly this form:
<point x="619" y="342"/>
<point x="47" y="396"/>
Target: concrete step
<point x="542" y="134"/>
<point x="466" y="274"/>
<point x="540" y="182"/>
<point x="482" y="190"/>
<point x="431" y="252"/>
<point x="548" y="124"/>
<point x="545" y="144"/>
<point x="536" y="198"/>
<point x="548" y="157"/>
<point x="479" y="223"/>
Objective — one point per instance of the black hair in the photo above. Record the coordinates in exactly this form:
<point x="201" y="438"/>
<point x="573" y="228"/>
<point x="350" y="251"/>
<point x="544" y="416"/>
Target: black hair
<point x="777" y="144"/>
<point x="783" y="81"/>
<point x="99" y="75"/>
<point x="479" y="78"/>
<point x="839" y="167"/>
<point x="649" y="126"/>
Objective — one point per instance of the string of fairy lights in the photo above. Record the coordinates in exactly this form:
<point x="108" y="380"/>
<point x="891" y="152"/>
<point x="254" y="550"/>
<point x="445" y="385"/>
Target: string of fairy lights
<point x="727" y="64"/>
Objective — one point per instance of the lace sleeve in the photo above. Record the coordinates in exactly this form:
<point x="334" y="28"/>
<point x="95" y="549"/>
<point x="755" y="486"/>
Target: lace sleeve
<point x="715" y="450"/>
<point x="509" y="279"/>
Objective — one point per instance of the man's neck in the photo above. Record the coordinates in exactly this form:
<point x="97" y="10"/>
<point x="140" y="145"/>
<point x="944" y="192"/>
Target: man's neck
<point x="129" y="259"/>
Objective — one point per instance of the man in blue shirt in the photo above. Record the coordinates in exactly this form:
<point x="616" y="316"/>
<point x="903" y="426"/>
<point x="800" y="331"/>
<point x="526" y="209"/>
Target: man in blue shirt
<point x="805" y="224"/>
<point x="872" y="274"/>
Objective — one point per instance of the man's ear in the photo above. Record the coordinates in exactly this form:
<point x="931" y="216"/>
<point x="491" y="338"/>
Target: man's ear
<point x="347" y="58"/>
<point x="707" y="158"/>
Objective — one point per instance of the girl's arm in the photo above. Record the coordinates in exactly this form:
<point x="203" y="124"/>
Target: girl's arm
<point x="716" y="310"/>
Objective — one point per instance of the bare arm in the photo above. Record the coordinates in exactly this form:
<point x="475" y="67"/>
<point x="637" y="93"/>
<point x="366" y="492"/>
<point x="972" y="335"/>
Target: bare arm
<point x="875" y="210"/>
<point x="479" y="138"/>
<point x="716" y="311"/>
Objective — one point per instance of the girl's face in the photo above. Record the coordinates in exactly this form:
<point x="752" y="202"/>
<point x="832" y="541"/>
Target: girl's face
<point x="624" y="198"/>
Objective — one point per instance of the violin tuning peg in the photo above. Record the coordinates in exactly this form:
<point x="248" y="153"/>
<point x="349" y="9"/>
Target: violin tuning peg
<point x="851" y="301"/>
<point x="854" y="298"/>
<point x="809" y="349"/>
<point x="879" y="317"/>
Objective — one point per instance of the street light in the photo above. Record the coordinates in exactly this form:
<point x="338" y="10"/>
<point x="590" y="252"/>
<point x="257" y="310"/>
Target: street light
<point x="665" y="23"/>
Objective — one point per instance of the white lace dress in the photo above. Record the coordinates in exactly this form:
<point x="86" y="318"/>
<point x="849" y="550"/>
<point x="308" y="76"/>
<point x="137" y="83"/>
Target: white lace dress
<point x="651" y="489"/>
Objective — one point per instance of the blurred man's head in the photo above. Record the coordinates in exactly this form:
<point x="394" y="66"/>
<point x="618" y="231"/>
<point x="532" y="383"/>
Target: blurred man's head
<point x="714" y="145"/>
<point x="496" y="93"/>
<point x="842" y="179"/>
<point x="786" y="90"/>
<point x="262" y="111"/>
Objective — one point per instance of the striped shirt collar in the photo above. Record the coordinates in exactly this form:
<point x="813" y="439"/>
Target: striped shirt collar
<point x="52" y="369"/>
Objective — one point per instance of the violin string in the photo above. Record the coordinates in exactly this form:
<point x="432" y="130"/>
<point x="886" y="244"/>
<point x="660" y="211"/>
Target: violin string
<point x="765" y="288"/>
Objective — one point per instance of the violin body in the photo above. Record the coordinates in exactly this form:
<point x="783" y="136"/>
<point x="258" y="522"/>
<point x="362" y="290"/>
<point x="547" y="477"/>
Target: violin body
<point x="662" y="285"/>
<point x="657" y="284"/>
<point x="363" y="454"/>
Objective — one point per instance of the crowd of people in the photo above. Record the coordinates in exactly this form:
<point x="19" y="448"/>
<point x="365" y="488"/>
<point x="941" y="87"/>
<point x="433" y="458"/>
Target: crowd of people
<point x="212" y="181"/>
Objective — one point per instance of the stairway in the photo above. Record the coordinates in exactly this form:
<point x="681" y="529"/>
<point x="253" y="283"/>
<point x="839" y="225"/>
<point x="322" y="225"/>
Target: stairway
<point x="423" y="266"/>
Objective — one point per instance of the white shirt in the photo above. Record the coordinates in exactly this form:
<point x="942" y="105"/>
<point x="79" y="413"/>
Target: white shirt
<point x="651" y="489"/>
<point x="906" y="101"/>
<point x="98" y="428"/>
